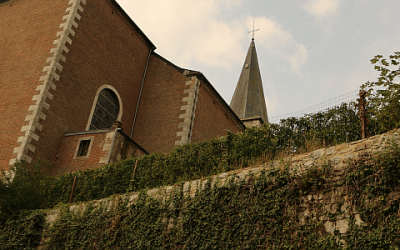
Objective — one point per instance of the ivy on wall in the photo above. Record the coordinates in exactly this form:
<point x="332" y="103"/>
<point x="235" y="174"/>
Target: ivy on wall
<point x="264" y="212"/>
<point x="374" y="188"/>
<point x="22" y="231"/>
<point x="192" y="161"/>
<point x="246" y="215"/>
<point x="199" y="160"/>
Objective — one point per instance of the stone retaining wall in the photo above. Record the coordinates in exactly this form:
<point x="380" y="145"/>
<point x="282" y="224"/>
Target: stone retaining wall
<point x="335" y="201"/>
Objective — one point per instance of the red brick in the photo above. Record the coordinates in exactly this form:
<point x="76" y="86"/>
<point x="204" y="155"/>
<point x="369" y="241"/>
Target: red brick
<point x="106" y="50"/>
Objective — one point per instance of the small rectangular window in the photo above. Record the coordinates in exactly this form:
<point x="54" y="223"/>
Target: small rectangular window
<point x="83" y="148"/>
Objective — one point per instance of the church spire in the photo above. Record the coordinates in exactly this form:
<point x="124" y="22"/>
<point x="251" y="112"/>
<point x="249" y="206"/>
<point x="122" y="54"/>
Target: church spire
<point x="248" y="101"/>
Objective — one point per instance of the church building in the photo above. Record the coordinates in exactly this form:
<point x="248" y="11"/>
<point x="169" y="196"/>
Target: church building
<point x="82" y="86"/>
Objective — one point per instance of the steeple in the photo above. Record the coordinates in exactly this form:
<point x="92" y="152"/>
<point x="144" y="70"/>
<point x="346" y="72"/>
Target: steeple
<point x="248" y="101"/>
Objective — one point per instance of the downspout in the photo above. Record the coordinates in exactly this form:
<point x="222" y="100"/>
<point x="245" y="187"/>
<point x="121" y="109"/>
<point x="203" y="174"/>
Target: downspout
<point x="141" y="90"/>
<point x="112" y="144"/>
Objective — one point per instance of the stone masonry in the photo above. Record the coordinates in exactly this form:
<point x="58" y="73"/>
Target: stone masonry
<point x="337" y="156"/>
<point x="189" y="108"/>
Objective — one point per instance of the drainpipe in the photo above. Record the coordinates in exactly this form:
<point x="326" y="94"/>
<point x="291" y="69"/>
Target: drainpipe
<point x="112" y="144"/>
<point x="141" y="90"/>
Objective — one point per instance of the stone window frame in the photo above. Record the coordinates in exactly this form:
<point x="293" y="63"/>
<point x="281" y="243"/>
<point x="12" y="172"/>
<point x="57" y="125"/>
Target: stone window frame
<point x="106" y="86"/>
<point x="91" y="138"/>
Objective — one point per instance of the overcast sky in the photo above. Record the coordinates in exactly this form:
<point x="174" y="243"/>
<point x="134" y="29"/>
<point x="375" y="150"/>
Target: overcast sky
<point x="309" y="51"/>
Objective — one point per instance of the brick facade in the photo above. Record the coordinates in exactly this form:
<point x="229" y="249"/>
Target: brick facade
<point x="99" y="152"/>
<point x="57" y="56"/>
<point x="26" y="39"/>
<point x="67" y="160"/>
<point x="160" y="106"/>
<point x="93" y="61"/>
<point x="212" y="118"/>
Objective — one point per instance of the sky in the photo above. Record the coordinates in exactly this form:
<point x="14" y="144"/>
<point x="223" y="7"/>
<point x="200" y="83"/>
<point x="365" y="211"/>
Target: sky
<point x="309" y="51"/>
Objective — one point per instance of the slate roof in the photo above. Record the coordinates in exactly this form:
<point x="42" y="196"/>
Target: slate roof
<point x="248" y="100"/>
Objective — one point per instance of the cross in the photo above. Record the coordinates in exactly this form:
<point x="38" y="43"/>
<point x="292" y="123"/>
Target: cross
<point x="254" y="31"/>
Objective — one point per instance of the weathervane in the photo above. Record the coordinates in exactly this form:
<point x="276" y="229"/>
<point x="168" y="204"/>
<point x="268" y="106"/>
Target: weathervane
<point x="254" y="31"/>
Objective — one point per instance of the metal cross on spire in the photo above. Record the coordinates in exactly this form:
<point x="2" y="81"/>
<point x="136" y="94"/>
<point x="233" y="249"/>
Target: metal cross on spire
<point x="254" y="31"/>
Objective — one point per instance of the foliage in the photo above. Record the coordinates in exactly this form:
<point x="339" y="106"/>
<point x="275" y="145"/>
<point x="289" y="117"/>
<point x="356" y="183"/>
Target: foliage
<point x="384" y="94"/>
<point x="256" y="214"/>
<point x="25" y="191"/>
<point x="23" y="231"/>
<point x="199" y="160"/>
<point x="330" y="127"/>
<point x="138" y="227"/>
<point x="191" y="161"/>
<point x="263" y="212"/>
<point x="374" y="186"/>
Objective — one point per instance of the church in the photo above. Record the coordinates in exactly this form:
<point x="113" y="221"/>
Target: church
<point x="82" y="86"/>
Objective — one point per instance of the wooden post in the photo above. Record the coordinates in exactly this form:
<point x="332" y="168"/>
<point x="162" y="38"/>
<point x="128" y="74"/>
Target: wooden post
<point x="134" y="172"/>
<point x="363" y="117"/>
<point x="72" y="191"/>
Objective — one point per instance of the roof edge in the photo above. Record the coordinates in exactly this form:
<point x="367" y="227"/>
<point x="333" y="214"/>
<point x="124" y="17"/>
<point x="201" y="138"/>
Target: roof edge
<point x="169" y="63"/>
<point x="134" y="142"/>
<point x="201" y="76"/>
<point x="132" y="23"/>
<point x="253" y="118"/>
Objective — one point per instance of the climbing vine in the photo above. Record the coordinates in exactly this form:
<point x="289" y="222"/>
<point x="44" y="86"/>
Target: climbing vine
<point x="277" y="209"/>
<point x="240" y="215"/>
<point x="194" y="161"/>
<point x="22" y="231"/>
<point x="375" y="191"/>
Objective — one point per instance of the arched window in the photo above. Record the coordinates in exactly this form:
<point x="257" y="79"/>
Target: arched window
<point x="106" y="110"/>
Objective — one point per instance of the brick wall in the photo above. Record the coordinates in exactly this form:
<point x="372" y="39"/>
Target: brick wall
<point x="160" y="107"/>
<point x="59" y="53"/>
<point x="66" y="160"/>
<point x="28" y="29"/>
<point x="168" y="102"/>
<point x="212" y="119"/>
<point x="103" y="142"/>
<point x="105" y="50"/>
